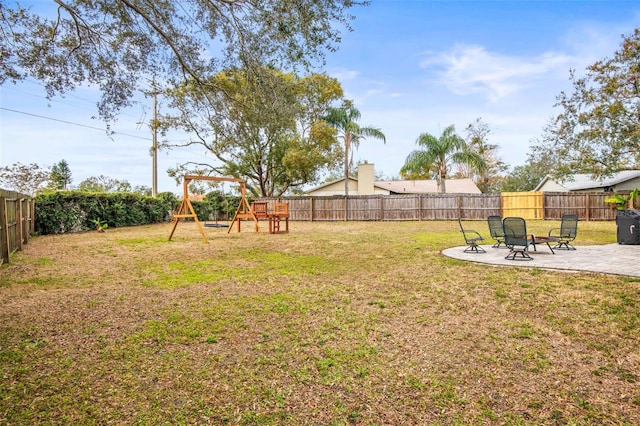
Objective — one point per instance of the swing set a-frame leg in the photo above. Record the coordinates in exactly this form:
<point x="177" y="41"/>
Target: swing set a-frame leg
<point x="185" y="211"/>
<point x="244" y="211"/>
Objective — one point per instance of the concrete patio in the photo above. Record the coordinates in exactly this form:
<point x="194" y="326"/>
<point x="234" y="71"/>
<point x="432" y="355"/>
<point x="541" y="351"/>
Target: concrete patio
<point x="614" y="259"/>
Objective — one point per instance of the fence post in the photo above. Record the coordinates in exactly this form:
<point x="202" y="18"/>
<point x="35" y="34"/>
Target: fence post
<point x="346" y="208"/>
<point x="4" y="231"/>
<point x="32" y="218"/>
<point x="19" y="223"/>
<point x="26" y="220"/>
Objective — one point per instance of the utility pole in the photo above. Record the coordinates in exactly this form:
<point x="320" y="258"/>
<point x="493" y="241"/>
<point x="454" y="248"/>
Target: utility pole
<point x="154" y="148"/>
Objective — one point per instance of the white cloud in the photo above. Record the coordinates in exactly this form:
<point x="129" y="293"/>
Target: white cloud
<point x="472" y="69"/>
<point x="343" y="74"/>
<point x="514" y="92"/>
<point x="593" y="41"/>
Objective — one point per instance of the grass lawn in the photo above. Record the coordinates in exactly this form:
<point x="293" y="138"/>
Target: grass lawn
<point x="332" y="324"/>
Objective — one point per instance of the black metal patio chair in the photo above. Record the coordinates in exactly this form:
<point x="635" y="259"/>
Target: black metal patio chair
<point x="567" y="232"/>
<point x="496" y="230"/>
<point x="472" y="238"/>
<point x="516" y="238"/>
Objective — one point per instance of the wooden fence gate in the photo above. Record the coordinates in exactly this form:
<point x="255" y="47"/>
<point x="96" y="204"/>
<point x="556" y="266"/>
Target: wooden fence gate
<point x="16" y="222"/>
<point x="527" y="205"/>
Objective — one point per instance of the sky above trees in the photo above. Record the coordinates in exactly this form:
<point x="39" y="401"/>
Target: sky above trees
<point x="410" y="67"/>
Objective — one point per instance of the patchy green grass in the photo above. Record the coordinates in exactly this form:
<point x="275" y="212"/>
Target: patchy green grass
<point x="334" y="323"/>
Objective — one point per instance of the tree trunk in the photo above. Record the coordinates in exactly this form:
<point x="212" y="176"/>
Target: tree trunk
<point x="442" y="188"/>
<point x="346" y="176"/>
<point x="347" y="143"/>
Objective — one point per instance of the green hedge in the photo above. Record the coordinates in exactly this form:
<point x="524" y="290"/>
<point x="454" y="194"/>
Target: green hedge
<point x="216" y="206"/>
<point x="75" y="211"/>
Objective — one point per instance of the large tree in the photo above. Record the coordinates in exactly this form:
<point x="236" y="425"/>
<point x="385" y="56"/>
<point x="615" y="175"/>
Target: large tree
<point x="489" y="178"/>
<point x="345" y="122"/>
<point x="106" y="184"/>
<point x="598" y="128"/>
<point x="522" y="178"/>
<point x="23" y="178"/>
<point x="60" y="176"/>
<point x="120" y="45"/>
<point x="440" y="154"/>
<point x="264" y="127"/>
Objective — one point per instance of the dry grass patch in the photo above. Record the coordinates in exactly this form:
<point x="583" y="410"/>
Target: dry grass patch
<point x="334" y="323"/>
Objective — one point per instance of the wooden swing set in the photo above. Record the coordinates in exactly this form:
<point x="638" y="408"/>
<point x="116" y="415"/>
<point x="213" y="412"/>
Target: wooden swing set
<point x="186" y="210"/>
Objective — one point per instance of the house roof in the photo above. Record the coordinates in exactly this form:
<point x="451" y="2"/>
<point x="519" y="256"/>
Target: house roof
<point x="453" y="186"/>
<point x="333" y="182"/>
<point x="579" y="182"/>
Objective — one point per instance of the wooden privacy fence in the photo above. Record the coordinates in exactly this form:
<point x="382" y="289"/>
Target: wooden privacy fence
<point x="16" y="222"/>
<point x="529" y="205"/>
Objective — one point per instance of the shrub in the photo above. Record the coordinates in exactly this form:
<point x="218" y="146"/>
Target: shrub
<point x="74" y="211"/>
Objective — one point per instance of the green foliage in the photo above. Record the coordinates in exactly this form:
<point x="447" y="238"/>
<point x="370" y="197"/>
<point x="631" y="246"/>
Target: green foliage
<point x="597" y="129"/>
<point x="91" y="42"/>
<point x="439" y="154"/>
<point x="25" y="179"/>
<point x="222" y="205"/>
<point x="345" y="122"/>
<point x="216" y="206"/>
<point x="623" y="202"/>
<point x="73" y="211"/>
<point x="261" y="125"/>
<point x="60" y="176"/>
<point x="523" y="178"/>
<point x="104" y="184"/>
<point x="489" y="178"/>
<point x="100" y="225"/>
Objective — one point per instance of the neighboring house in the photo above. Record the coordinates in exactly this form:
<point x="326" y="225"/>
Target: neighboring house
<point x="453" y="186"/>
<point x="365" y="185"/>
<point x="626" y="180"/>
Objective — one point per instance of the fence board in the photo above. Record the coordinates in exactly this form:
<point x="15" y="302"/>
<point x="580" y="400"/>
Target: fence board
<point x="364" y="208"/>
<point x="329" y="208"/>
<point x="597" y="209"/>
<point x="4" y="232"/>
<point x="479" y="206"/>
<point x="529" y="205"/>
<point x="16" y="222"/>
<point x="440" y="207"/>
<point x="587" y="205"/>
<point x="400" y="207"/>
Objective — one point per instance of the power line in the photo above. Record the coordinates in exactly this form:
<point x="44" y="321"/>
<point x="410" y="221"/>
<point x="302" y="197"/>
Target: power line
<point x="76" y="124"/>
<point x="61" y="99"/>
<point x="175" y="148"/>
<point x="67" y="94"/>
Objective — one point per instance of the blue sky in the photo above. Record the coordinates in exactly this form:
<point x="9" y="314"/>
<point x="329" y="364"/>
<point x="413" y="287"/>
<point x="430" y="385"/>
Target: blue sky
<point x="411" y="66"/>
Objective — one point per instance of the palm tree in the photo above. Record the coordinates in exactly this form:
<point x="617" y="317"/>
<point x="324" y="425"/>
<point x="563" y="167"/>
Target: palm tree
<point x="345" y="121"/>
<point x="439" y="154"/>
